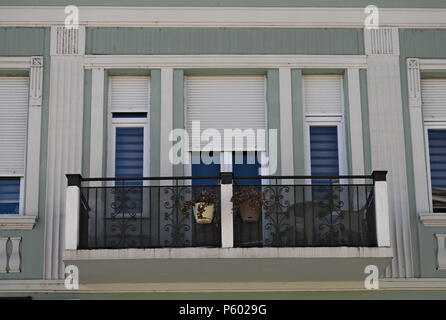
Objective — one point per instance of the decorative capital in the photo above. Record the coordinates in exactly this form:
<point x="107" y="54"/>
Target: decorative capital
<point x="382" y="40"/>
<point x="35" y="79"/>
<point x="413" y="82"/>
<point x="67" y="41"/>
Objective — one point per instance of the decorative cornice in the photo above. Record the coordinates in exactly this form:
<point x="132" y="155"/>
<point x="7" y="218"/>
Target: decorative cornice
<point x="35" y="81"/>
<point x="15" y="222"/>
<point x="67" y="41"/>
<point x="225" y="61"/>
<point x="433" y="219"/>
<point x="283" y="17"/>
<point x="413" y="82"/>
<point x="381" y="41"/>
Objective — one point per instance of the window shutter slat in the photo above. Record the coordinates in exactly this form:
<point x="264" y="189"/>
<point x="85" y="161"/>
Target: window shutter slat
<point x="323" y="95"/>
<point x="13" y="121"/>
<point x="130" y="93"/>
<point x="226" y="102"/>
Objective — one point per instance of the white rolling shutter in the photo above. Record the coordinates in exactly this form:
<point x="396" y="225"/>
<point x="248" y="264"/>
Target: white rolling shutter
<point x="323" y="95"/>
<point x="433" y="93"/>
<point x="227" y="102"/>
<point x="130" y="93"/>
<point x="13" y="121"/>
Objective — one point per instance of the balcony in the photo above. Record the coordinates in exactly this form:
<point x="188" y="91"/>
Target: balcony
<point x="327" y="228"/>
<point x="294" y="211"/>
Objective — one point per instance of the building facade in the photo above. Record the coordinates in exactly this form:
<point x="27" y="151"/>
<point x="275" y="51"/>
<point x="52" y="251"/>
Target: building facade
<point x="106" y="118"/>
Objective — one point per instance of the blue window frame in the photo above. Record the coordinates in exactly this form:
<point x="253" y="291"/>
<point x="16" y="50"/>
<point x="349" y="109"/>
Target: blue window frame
<point x="437" y="159"/>
<point x="9" y="195"/>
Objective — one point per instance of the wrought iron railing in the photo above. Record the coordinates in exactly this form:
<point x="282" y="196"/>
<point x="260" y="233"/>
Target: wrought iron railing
<point x="143" y="213"/>
<point x="293" y="212"/>
<point x="323" y="212"/>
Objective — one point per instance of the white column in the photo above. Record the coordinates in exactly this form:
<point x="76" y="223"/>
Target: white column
<point x="382" y="212"/>
<point x="355" y="116"/>
<point x="33" y="137"/>
<point x="97" y="122"/>
<point x="166" y="168"/>
<point x="286" y="123"/>
<point x="64" y="154"/>
<point x="72" y="206"/>
<point x="387" y="140"/>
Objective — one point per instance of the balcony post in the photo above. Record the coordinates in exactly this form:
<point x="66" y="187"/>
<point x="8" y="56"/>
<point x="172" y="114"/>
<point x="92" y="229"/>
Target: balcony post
<point x="227" y="228"/>
<point x="72" y="210"/>
<point x="381" y="208"/>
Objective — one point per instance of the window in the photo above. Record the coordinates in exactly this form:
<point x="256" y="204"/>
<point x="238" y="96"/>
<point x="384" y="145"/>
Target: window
<point x="13" y="123"/>
<point x="433" y="92"/>
<point x="129" y="130"/>
<point x="324" y="126"/>
<point x="437" y="163"/>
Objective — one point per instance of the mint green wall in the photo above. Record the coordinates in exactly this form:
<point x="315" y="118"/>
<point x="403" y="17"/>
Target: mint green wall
<point x="365" y="122"/>
<point x="419" y="43"/>
<point x="155" y="122"/>
<point x="297" y="100"/>
<point x="28" y="42"/>
<point x="233" y="3"/>
<point x="223" y="41"/>
<point x="178" y="110"/>
<point x="348" y="145"/>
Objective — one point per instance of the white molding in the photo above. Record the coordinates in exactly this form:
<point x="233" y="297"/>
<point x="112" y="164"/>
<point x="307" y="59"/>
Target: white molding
<point x="15" y="62"/>
<point x="272" y="17"/>
<point x="433" y="219"/>
<point x="355" y="117"/>
<point x="432" y="64"/>
<point x="225" y="61"/>
<point x="229" y="253"/>
<point x="35" y="81"/>
<point x="72" y="211"/>
<point x="286" y="124"/>
<point x="66" y="41"/>
<point x="97" y="122"/>
<point x="16" y="222"/>
<point x="441" y="251"/>
<point x="57" y="286"/>
<point x="413" y="82"/>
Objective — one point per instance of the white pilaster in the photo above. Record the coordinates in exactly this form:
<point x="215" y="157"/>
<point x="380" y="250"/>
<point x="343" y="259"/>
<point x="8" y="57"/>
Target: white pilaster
<point x="355" y="116"/>
<point x="286" y="123"/>
<point x="64" y="154"/>
<point x="417" y="136"/>
<point x="33" y="136"/>
<point x="388" y="143"/>
<point x="227" y="224"/>
<point x="382" y="214"/>
<point x="97" y="122"/>
<point x="166" y="168"/>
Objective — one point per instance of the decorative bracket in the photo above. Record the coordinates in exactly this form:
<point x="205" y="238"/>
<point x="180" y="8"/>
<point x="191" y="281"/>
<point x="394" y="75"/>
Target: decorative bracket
<point x="35" y="81"/>
<point x="413" y="82"/>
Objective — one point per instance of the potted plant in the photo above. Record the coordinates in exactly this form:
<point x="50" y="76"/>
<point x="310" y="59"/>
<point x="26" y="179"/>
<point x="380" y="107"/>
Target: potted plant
<point x="203" y="205"/>
<point x="248" y="202"/>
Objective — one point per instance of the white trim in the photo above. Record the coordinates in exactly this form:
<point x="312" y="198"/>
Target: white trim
<point x="272" y="17"/>
<point x="17" y="222"/>
<point x="433" y="219"/>
<point x="225" y="61"/>
<point x="15" y="62"/>
<point x="432" y="64"/>
<point x="97" y="123"/>
<point x="229" y="253"/>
